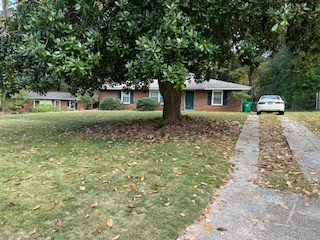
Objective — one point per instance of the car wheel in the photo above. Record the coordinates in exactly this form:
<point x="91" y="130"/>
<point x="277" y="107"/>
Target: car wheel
<point x="281" y="112"/>
<point x="258" y="113"/>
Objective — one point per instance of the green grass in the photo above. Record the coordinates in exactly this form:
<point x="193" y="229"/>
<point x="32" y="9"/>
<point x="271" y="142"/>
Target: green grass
<point x="53" y="171"/>
<point x="310" y="119"/>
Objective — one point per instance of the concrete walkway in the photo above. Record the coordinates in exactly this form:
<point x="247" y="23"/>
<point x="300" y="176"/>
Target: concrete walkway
<point x="245" y="211"/>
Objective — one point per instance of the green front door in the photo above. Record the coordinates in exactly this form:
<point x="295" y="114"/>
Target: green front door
<point x="189" y="100"/>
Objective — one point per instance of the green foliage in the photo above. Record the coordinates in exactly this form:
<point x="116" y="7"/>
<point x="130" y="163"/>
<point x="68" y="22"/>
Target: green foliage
<point x="112" y="104"/>
<point x="44" y="108"/>
<point x="240" y="96"/>
<point x="147" y="104"/>
<point x="161" y="123"/>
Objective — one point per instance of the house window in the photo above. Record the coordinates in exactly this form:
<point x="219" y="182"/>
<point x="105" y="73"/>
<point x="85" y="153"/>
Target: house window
<point x="71" y="105"/>
<point x="39" y="102"/>
<point x="156" y="95"/>
<point x="217" y="98"/>
<point x="125" y="97"/>
<point x="56" y="104"/>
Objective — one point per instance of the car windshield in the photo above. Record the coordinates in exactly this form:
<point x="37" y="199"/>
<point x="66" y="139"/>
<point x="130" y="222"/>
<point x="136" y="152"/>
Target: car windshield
<point x="268" y="98"/>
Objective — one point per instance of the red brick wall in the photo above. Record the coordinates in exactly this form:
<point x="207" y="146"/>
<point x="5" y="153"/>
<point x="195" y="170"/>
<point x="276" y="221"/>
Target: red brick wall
<point x="201" y="101"/>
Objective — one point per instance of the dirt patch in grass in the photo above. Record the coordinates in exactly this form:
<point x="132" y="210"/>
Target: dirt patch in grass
<point x="278" y="168"/>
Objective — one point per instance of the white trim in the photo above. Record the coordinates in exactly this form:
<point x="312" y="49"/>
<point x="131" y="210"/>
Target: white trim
<point x="125" y="95"/>
<point x="221" y="98"/>
<point x="159" y="96"/>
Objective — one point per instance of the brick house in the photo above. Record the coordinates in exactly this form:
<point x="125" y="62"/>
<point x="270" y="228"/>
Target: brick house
<point x="212" y="95"/>
<point x="61" y="100"/>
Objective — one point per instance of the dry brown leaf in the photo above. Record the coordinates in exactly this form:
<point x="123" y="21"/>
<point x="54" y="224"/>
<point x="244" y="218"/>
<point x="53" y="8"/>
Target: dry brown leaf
<point x="241" y="193"/>
<point x="32" y="232"/>
<point x="37" y="207"/>
<point x="266" y="221"/>
<point x="93" y="205"/>
<point x="283" y="206"/>
<point x="131" y="205"/>
<point x="307" y="204"/>
<point x="142" y="178"/>
<point x="152" y="192"/>
<point x="109" y="222"/>
<point x="58" y="223"/>
<point x="116" y="237"/>
<point x="208" y="228"/>
<point x="99" y="231"/>
<point x="49" y="208"/>
<point x="56" y="202"/>
<point x="167" y="204"/>
<point x="253" y="219"/>
<point x="163" y="188"/>
<point x="82" y="188"/>
<point x="125" y="185"/>
<point x="183" y="214"/>
<point x="256" y="196"/>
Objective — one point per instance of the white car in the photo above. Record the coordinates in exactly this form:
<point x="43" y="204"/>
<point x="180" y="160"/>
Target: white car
<point x="270" y="103"/>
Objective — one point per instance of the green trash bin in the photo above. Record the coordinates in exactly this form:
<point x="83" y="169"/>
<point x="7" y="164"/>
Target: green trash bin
<point x="246" y="106"/>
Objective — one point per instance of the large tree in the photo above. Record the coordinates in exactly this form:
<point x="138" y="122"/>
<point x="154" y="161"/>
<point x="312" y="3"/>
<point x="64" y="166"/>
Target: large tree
<point x="87" y="43"/>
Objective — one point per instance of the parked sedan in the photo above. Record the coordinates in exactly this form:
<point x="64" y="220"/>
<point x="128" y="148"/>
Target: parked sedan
<point x="270" y="103"/>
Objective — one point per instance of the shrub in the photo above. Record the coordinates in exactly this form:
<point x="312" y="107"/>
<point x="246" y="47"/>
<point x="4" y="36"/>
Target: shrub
<point x="44" y="108"/>
<point x="147" y="104"/>
<point x="112" y="104"/>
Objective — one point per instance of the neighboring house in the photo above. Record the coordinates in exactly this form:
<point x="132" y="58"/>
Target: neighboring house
<point x="213" y="95"/>
<point x="60" y="100"/>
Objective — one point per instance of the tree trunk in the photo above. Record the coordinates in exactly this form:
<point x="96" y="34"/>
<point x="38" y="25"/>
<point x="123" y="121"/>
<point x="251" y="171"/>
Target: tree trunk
<point x="172" y="102"/>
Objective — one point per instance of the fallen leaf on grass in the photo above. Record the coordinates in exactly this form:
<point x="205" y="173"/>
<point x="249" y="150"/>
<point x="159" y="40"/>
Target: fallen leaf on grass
<point x="32" y="232"/>
<point x="58" y="223"/>
<point x="93" y="205"/>
<point x="56" y="202"/>
<point x="37" y="207"/>
<point x="99" y="231"/>
<point x="163" y="188"/>
<point x="82" y="188"/>
<point x="49" y="208"/>
<point x="116" y="237"/>
<point x="183" y="214"/>
<point x="167" y="204"/>
<point x="131" y="205"/>
<point x="109" y="222"/>
<point x="152" y="192"/>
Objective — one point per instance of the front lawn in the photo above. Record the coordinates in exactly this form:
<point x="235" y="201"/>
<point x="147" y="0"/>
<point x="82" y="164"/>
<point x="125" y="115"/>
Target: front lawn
<point x="104" y="175"/>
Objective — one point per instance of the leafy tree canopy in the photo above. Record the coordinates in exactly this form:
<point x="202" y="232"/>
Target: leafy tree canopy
<point x="86" y="43"/>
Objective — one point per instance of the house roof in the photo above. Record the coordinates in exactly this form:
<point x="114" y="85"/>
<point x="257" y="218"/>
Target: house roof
<point x="212" y="84"/>
<point x="51" y="96"/>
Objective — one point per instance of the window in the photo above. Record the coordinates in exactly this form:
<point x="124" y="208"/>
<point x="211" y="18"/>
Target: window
<point x="56" y="104"/>
<point x="71" y="105"/>
<point x="217" y="98"/>
<point x="39" y="102"/>
<point x="156" y="95"/>
<point x="125" y="97"/>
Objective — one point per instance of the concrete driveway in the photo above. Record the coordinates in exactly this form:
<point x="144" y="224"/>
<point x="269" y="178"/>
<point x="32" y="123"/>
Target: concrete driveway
<point x="245" y="211"/>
